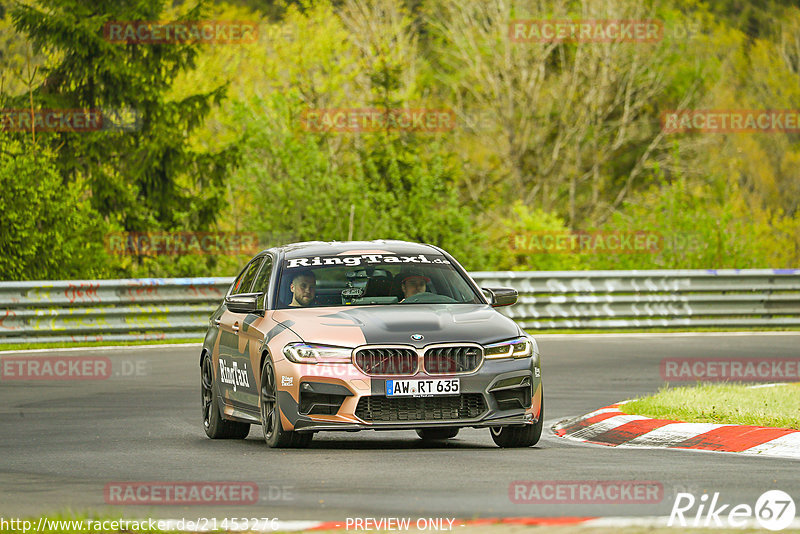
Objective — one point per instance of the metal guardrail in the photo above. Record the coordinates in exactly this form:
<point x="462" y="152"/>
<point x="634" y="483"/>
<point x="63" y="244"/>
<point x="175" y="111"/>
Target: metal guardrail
<point x="652" y="299"/>
<point x="179" y="308"/>
<point x="108" y="310"/>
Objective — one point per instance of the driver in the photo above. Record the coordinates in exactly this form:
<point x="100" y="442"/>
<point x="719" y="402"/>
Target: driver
<point x="303" y="288"/>
<point x="412" y="282"/>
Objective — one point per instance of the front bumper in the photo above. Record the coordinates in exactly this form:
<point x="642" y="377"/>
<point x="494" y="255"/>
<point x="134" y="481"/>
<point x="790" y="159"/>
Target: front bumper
<point x="501" y="392"/>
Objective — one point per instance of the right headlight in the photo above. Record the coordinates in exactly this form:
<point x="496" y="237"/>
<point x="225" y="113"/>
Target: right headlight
<point x="521" y="347"/>
<point x="313" y="353"/>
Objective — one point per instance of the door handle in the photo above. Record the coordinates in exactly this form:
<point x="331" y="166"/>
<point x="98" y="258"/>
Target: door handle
<point x="235" y="327"/>
<point x="216" y="322"/>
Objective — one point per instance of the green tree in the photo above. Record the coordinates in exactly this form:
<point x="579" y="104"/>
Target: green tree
<point x="48" y="230"/>
<point x="697" y="226"/>
<point x="519" y="242"/>
<point x="299" y="184"/>
<point x="412" y="196"/>
<point x="146" y="177"/>
<point x="288" y="186"/>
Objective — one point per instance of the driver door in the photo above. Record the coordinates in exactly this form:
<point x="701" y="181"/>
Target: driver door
<point x="236" y="376"/>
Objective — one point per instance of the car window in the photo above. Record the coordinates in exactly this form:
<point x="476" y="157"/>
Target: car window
<point x="238" y="282"/>
<point x="245" y="283"/>
<point x="261" y="284"/>
<point x="263" y="276"/>
<point x="371" y="279"/>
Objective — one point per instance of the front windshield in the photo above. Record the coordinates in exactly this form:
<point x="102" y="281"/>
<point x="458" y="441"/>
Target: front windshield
<point x="371" y="279"/>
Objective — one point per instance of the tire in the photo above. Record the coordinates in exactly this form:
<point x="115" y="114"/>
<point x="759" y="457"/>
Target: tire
<point x="519" y="435"/>
<point x="274" y="434"/>
<point x="437" y="434"/>
<point x="215" y="426"/>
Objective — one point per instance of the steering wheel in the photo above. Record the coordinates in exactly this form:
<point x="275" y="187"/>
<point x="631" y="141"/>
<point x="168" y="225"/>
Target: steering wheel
<point x="428" y="298"/>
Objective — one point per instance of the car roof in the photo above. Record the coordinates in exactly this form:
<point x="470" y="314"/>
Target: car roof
<point x="381" y="246"/>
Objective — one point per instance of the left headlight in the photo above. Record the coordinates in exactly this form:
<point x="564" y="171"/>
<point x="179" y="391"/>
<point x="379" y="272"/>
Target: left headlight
<point x="521" y="347"/>
<point x="311" y="353"/>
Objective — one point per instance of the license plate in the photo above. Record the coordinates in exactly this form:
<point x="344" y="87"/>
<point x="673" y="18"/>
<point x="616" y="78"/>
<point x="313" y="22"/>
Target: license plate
<point x="422" y="387"/>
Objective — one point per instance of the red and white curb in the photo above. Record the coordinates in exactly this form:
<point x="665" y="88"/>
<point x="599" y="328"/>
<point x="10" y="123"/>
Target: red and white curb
<point x="595" y="522"/>
<point x="609" y="426"/>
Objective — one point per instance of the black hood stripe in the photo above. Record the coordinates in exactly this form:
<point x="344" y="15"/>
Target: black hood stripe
<point x="438" y="323"/>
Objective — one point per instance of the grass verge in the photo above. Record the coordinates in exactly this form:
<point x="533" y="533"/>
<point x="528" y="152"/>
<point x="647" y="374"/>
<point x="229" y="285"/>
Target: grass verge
<point x="739" y="404"/>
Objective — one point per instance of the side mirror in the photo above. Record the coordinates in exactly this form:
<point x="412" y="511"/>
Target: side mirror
<point x="244" y="303"/>
<point x="500" y="296"/>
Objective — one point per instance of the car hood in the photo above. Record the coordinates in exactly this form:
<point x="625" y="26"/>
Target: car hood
<point x="351" y="326"/>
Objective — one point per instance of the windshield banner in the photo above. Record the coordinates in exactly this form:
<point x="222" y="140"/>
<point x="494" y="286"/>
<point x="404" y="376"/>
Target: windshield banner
<point x="362" y="259"/>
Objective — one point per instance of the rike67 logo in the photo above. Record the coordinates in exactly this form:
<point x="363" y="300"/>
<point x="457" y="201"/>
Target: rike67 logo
<point x="774" y="510"/>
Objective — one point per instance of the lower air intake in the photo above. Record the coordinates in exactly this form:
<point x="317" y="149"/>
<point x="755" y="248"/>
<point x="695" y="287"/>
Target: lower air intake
<point x="384" y="409"/>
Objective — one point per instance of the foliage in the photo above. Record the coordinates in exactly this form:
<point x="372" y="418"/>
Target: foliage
<point x="277" y="188"/>
<point x="695" y="230"/>
<point x="391" y="186"/>
<point x="518" y="234"/>
<point x="549" y="137"/>
<point x="304" y="185"/>
<point x="48" y="231"/>
<point x="143" y="175"/>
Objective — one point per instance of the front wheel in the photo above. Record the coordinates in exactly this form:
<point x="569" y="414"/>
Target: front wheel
<point x="274" y="434"/>
<point x="519" y="435"/>
<point x="215" y="426"/>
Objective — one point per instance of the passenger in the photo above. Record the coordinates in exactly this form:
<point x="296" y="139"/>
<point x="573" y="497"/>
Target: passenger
<point x="412" y="282"/>
<point x="303" y="288"/>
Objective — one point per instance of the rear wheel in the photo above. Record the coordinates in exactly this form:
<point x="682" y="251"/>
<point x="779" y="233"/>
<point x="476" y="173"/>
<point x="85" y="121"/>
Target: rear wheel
<point x="274" y="434"/>
<point x="215" y="426"/>
<point x="436" y="434"/>
<point x="519" y="435"/>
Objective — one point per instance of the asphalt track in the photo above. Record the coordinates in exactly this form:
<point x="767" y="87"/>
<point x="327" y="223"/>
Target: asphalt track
<point x="63" y="442"/>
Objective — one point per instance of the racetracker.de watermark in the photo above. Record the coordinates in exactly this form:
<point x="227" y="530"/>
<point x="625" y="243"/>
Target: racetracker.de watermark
<point x="585" y="492"/>
<point x="735" y="369"/>
<point x="374" y="120"/>
<point x="58" y="368"/>
<point x="180" y="243"/>
<point x="51" y="120"/>
<point x="585" y="31"/>
<point x="641" y="242"/>
<point x="180" y="32"/>
<point x="344" y="371"/>
<point x="181" y="493"/>
<point x="731" y="121"/>
<point x="114" y="526"/>
<point x="70" y="120"/>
